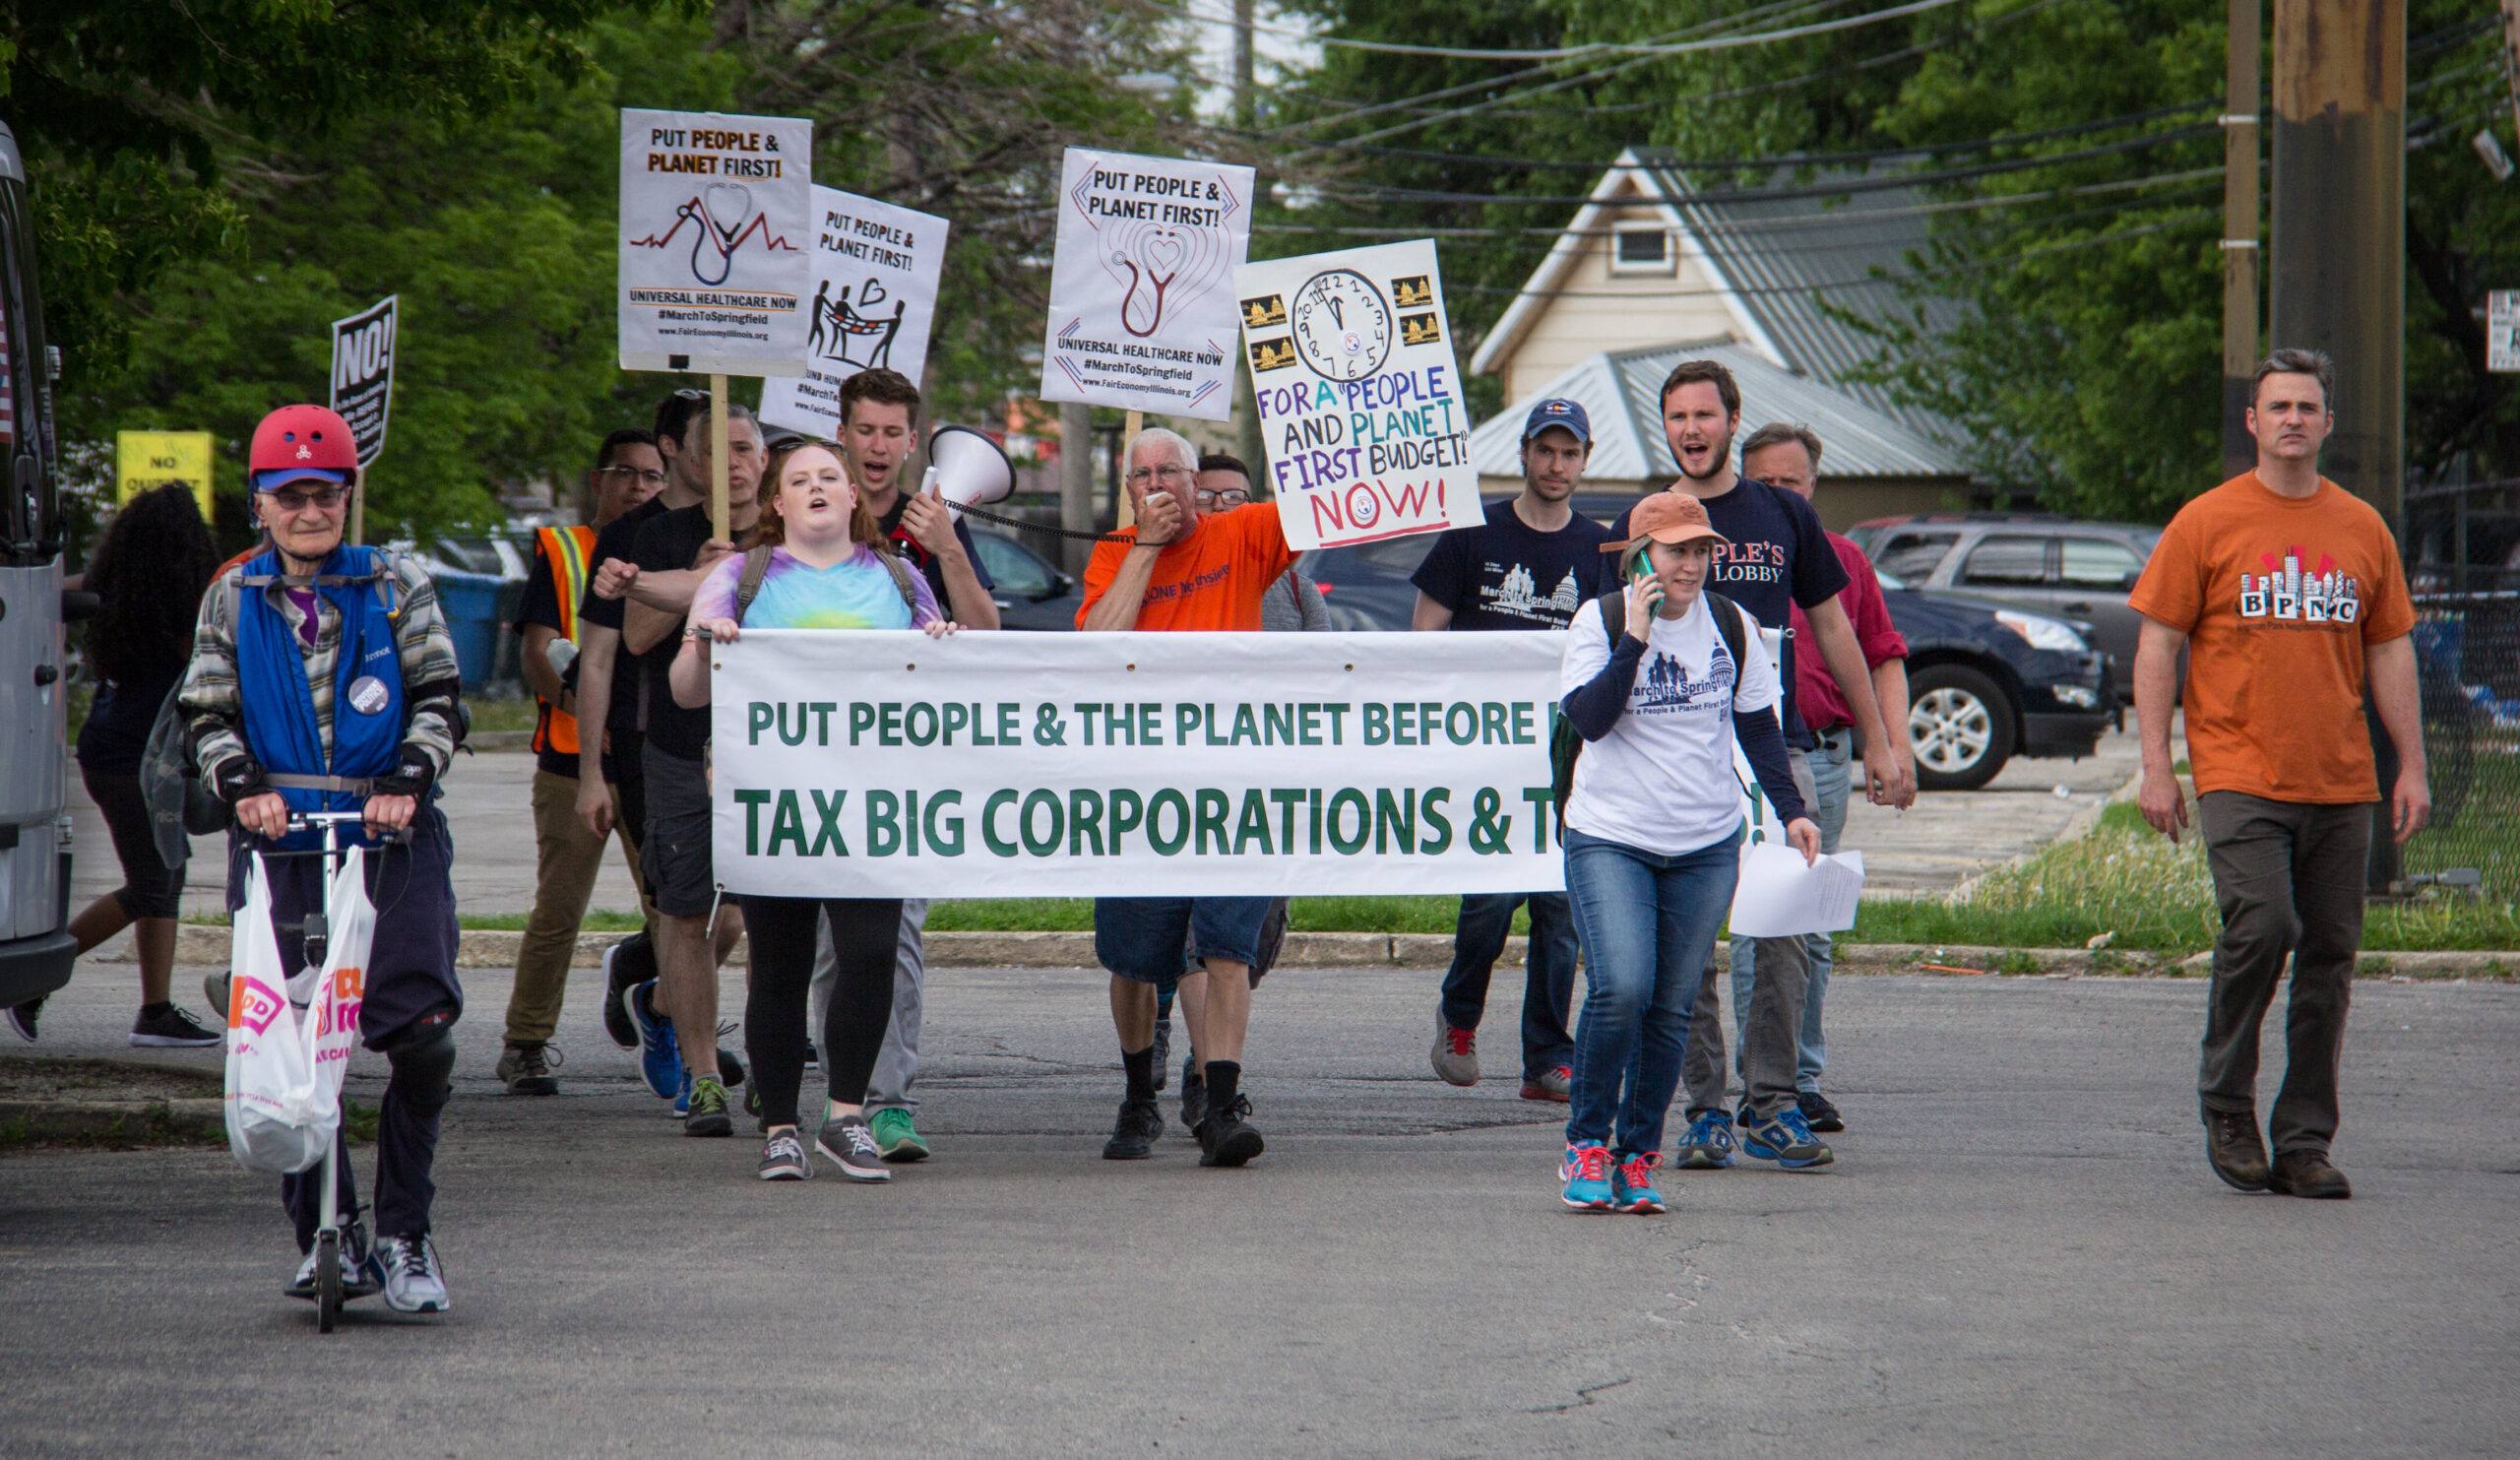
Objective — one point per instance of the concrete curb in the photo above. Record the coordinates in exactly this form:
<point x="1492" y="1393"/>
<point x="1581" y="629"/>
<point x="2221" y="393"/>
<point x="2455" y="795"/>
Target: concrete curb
<point x="56" y="1118"/>
<point x="205" y="945"/>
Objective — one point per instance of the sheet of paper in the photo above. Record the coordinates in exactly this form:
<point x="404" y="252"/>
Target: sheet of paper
<point x="1779" y="895"/>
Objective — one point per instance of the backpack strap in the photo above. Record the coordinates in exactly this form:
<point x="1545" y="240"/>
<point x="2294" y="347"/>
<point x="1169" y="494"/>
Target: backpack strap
<point x="748" y="585"/>
<point x="901" y="582"/>
<point x="1613" y="616"/>
<point x="1728" y="622"/>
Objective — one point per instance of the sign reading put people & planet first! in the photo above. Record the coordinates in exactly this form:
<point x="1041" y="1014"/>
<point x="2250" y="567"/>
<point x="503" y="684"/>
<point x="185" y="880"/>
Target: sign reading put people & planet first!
<point x="1142" y="286"/>
<point x="716" y="242"/>
<point x="876" y="268"/>
<point x="1361" y="405"/>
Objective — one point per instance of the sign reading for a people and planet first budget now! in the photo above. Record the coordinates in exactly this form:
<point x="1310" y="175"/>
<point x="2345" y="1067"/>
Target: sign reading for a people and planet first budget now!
<point x="1142" y="313"/>
<point x="717" y="242"/>
<point x="1097" y="765"/>
<point x="876" y="268"/>
<point x="363" y="373"/>
<point x="1360" y="404"/>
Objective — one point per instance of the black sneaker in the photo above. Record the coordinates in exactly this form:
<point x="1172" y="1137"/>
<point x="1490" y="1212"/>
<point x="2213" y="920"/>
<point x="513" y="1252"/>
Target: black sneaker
<point x="1133" y="1134"/>
<point x="730" y="1068"/>
<point x="620" y="975"/>
<point x="1818" y="1113"/>
<point x="1163" y="1053"/>
<point x="1226" y="1139"/>
<point x="172" y="1029"/>
<point x="1194" y="1095"/>
<point x="527" y="1069"/>
<point x="22" y="1018"/>
<point x="708" y="1116"/>
<point x="813" y="1058"/>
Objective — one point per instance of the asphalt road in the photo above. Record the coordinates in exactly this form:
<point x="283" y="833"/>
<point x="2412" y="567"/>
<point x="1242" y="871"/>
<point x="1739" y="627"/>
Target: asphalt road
<point x="2019" y="1251"/>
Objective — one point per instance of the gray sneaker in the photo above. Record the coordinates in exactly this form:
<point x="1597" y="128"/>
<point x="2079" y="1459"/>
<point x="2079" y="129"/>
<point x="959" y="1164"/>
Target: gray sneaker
<point x="214" y="987"/>
<point x="527" y="1069"/>
<point x="850" y="1145"/>
<point x="782" y="1159"/>
<point x="1455" y="1053"/>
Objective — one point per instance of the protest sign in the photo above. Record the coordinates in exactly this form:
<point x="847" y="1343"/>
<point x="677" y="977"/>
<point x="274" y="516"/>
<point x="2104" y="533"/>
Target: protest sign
<point x="875" y="269"/>
<point x="1361" y="404"/>
<point x="1138" y="764"/>
<point x="1142" y="286"/>
<point x="363" y="373"/>
<point x="716" y="220"/>
<point x="143" y="460"/>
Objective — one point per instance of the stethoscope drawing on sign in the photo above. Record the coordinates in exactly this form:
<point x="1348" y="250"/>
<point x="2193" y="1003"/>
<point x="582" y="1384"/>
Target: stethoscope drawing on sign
<point x="709" y="233"/>
<point x="1148" y="277"/>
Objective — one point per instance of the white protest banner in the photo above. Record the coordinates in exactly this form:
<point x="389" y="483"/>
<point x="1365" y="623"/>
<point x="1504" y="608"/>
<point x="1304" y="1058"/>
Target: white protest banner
<point x="1138" y="764"/>
<point x="1142" y="286"/>
<point x="876" y="268"/>
<point x="717" y="216"/>
<point x="363" y="373"/>
<point x="1361" y="405"/>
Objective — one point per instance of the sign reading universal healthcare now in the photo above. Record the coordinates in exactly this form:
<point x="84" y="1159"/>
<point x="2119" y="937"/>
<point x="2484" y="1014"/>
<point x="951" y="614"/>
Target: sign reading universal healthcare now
<point x="716" y="227"/>
<point x="1361" y="404"/>
<point x="1142" y="285"/>
<point x="1081" y="765"/>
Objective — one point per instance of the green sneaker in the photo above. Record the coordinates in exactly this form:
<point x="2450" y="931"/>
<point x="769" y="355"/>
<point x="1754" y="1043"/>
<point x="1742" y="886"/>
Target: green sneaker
<point x="708" y="1109"/>
<point x="895" y="1137"/>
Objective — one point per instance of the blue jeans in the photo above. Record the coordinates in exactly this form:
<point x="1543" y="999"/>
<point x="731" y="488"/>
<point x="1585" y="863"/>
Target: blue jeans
<point x="1833" y="779"/>
<point x="1548" y="972"/>
<point x="1648" y="923"/>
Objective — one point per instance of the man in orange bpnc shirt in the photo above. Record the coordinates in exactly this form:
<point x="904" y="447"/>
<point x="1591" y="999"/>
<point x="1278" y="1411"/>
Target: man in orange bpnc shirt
<point x="2286" y="592"/>
<point x="1184" y="566"/>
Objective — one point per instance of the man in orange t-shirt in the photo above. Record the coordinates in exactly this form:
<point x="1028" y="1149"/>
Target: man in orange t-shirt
<point x="2287" y="594"/>
<point x="1183" y="566"/>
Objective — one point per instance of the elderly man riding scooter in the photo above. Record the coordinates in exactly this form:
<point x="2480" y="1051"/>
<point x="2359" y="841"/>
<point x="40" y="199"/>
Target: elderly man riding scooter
<point x="323" y="680"/>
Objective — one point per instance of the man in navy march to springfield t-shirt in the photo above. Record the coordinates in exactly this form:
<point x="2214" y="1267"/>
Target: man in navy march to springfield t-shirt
<point x="1775" y="554"/>
<point x="1533" y="563"/>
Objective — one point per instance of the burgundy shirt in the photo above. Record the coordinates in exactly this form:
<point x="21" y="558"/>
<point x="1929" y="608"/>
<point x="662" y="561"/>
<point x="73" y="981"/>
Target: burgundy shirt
<point x="1815" y="689"/>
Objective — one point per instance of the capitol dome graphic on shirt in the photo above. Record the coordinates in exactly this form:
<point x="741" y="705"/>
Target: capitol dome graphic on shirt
<point x="1665" y="683"/>
<point x="1518" y="593"/>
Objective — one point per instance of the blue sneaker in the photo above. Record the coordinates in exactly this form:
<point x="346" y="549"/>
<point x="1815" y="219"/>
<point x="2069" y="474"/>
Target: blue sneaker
<point x="1632" y="1185"/>
<point x="1709" y="1144"/>
<point x="1586" y="1170"/>
<point x="660" y="1058"/>
<point x="682" y="1096"/>
<point x="1787" y="1141"/>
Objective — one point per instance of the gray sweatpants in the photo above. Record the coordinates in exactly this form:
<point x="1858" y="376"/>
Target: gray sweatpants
<point x="1772" y="1026"/>
<point x="896" y="1063"/>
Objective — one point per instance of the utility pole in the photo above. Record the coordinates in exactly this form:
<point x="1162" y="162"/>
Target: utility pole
<point x="2340" y="259"/>
<point x="1246" y="115"/>
<point x="2340" y="224"/>
<point x="2239" y="234"/>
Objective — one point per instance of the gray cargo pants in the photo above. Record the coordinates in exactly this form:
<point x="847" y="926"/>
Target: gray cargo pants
<point x="896" y="1063"/>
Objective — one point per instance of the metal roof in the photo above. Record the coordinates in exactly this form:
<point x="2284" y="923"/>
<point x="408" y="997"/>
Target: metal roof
<point x="1790" y="261"/>
<point x="1621" y="392"/>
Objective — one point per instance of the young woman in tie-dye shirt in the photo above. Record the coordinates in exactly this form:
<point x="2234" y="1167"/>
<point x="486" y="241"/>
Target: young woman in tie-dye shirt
<point x="825" y="572"/>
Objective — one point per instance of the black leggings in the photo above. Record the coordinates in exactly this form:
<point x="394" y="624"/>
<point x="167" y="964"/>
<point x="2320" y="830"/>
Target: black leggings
<point x="864" y="932"/>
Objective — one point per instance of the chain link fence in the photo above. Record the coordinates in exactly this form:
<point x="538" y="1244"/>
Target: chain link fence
<point x="2464" y="566"/>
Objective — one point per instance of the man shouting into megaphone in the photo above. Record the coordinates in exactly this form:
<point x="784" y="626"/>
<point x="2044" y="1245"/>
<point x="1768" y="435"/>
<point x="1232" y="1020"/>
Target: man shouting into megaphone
<point x="878" y="432"/>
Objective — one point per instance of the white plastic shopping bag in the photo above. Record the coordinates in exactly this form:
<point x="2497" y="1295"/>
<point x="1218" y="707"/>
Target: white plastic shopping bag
<point x="289" y="1037"/>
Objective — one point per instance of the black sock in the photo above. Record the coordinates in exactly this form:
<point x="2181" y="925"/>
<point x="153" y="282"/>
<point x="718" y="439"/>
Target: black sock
<point x="155" y="1011"/>
<point x="1141" y="1068"/>
<point x="1224" y="1077"/>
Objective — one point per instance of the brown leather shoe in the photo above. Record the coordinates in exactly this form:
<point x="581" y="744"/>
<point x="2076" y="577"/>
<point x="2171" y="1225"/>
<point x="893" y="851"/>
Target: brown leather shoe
<point x="2308" y="1173"/>
<point x="2233" y="1145"/>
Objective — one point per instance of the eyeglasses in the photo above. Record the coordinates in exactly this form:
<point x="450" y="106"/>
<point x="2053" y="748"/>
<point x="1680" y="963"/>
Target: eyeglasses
<point x="322" y="499"/>
<point x="1232" y="496"/>
<point x="1166" y="474"/>
<point x="632" y="474"/>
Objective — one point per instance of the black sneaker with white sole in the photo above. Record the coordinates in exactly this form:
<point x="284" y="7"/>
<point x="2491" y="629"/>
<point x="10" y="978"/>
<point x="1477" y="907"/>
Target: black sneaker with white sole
<point x="851" y="1144"/>
<point x="170" y="1028"/>
<point x="22" y="1018"/>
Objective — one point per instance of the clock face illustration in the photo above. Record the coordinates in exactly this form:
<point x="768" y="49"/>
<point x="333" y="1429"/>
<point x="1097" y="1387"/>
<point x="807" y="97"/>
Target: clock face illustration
<point x="1342" y="325"/>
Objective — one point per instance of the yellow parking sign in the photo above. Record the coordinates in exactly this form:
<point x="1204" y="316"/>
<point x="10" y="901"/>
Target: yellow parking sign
<point x="149" y="458"/>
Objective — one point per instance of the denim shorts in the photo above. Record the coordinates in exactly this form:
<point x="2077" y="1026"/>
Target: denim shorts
<point x="1140" y="938"/>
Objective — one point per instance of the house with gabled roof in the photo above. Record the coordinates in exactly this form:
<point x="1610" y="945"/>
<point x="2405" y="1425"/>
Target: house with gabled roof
<point x="1652" y="270"/>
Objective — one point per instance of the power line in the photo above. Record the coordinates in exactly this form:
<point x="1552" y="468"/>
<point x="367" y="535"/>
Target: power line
<point x="1650" y="50"/>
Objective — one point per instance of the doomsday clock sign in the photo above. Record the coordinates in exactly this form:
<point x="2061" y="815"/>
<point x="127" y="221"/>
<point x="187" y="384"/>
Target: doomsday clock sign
<point x="1360" y="404"/>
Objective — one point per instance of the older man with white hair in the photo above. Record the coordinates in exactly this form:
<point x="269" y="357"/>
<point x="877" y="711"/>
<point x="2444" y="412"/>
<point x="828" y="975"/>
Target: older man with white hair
<point x="1186" y="566"/>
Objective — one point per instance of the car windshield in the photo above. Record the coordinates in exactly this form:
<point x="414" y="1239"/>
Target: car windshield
<point x="1889" y="581"/>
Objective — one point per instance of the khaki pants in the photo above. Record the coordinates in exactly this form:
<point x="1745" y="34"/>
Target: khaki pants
<point x="565" y="858"/>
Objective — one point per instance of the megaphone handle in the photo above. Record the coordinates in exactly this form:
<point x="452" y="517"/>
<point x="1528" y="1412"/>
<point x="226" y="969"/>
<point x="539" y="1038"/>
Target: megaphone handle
<point x="927" y="483"/>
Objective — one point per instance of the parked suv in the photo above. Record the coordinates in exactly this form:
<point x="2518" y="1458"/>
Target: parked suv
<point x="2053" y="565"/>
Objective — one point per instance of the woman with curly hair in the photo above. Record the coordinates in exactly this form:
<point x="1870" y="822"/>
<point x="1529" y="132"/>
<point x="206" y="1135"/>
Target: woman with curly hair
<point x="149" y="573"/>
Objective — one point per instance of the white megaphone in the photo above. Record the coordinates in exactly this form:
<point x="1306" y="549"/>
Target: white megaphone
<point x="966" y="469"/>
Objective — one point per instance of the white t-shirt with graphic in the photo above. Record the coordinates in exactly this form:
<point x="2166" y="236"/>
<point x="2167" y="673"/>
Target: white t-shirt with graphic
<point x="1662" y="779"/>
